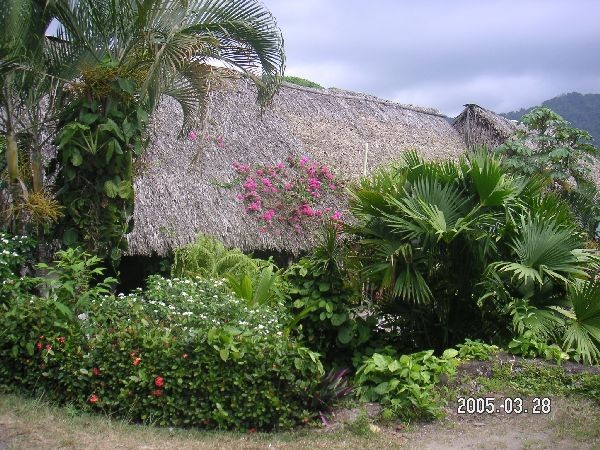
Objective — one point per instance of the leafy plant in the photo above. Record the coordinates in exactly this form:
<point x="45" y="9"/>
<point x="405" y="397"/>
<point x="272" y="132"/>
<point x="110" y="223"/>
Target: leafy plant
<point x="255" y="280"/>
<point x="404" y="386"/>
<point x="529" y="346"/>
<point x="572" y="324"/>
<point x="325" y="303"/>
<point x="332" y="388"/>
<point x="476" y="350"/>
<point x="71" y="279"/>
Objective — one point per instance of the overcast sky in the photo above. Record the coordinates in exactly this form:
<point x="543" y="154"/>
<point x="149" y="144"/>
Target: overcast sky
<point x="502" y="55"/>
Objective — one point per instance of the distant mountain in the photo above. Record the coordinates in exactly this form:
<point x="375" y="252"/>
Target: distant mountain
<point x="583" y="111"/>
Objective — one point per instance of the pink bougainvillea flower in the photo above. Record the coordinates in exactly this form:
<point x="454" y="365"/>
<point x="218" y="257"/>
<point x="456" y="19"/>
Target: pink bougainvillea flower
<point x="306" y="210"/>
<point x="260" y="172"/>
<point x="314" y="184"/>
<point x="159" y="381"/>
<point x="93" y="398"/>
<point x="287" y="186"/>
<point x="268" y="216"/>
<point x="136" y="361"/>
<point x="332" y="187"/>
<point x="48" y="347"/>
<point x="96" y="372"/>
<point x="250" y="184"/>
<point x="279" y="165"/>
<point x="336" y="216"/>
<point x="192" y="136"/>
<point x="262" y="229"/>
<point x="219" y="141"/>
<point x="304" y="160"/>
<point x="254" y="206"/>
<point x="60" y="340"/>
<point x="266" y="182"/>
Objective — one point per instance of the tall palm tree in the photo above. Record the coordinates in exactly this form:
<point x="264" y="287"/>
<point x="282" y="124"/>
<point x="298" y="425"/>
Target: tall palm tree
<point x="170" y="44"/>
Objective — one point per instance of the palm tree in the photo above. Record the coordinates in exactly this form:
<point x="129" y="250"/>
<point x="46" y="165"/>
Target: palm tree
<point x="446" y="241"/>
<point x="169" y="45"/>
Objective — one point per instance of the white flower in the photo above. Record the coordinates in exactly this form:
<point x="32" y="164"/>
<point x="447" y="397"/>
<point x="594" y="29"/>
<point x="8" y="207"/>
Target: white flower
<point x="82" y="316"/>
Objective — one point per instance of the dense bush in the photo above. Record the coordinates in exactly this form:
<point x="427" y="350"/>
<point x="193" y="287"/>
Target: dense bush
<point x="183" y="352"/>
<point x="327" y="303"/>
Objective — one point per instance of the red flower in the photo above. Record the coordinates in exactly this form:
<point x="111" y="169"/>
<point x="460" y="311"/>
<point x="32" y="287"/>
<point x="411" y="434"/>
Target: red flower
<point x="252" y="430"/>
<point x="48" y="347"/>
<point x="61" y="339"/>
<point x="93" y="398"/>
<point x="186" y="356"/>
<point x="157" y="393"/>
<point x="159" y="382"/>
<point x="39" y="345"/>
<point x="136" y="361"/>
<point x="96" y="371"/>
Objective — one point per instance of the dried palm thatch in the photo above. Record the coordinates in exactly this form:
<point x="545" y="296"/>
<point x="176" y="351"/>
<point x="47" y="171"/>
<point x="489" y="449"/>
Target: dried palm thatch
<point x="181" y="185"/>
<point x="481" y="127"/>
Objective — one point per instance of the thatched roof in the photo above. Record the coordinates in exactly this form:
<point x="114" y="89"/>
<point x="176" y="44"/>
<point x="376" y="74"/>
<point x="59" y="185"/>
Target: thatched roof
<point x="177" y="185"/>
<point x="481" y="127"/>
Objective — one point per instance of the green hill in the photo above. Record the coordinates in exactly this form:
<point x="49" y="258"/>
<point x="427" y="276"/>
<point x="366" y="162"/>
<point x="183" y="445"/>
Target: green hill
<point x="583" y="111"/>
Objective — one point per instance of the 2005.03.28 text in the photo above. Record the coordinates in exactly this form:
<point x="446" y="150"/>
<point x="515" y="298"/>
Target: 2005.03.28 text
<point x="507" y="405"/>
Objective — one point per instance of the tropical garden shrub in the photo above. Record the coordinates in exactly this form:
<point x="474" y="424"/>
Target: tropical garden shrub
<point x="289" y="197"/>
<point x="255" y="280"/>
<point x="449" y="246"/>
<point x="404" y="386"/>
<point x="184" y="352"/>
<point x="550" y="145"/>
<point x="327" y="303"/>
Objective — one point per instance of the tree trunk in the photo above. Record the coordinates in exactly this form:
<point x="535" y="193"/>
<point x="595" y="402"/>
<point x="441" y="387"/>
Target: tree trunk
<point x="12" y="157"/>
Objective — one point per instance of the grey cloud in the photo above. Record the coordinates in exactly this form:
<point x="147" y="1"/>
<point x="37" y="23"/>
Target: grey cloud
<point x="503" y="54"/>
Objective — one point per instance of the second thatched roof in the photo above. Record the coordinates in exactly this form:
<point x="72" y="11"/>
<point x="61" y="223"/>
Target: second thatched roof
<point x="181" y="185"/>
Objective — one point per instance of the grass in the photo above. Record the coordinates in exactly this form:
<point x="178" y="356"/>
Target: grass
<point x="30" y="423"/>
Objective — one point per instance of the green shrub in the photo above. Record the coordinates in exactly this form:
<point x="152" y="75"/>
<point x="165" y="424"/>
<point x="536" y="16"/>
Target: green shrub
<point x="182" y="353"/>
<point x="476" y="350"/>
<point x="404" y="386"/>
<point x="14" y="253"/>
<point x="529" y="346"/>
<point x="326" y="303"/>
<point x="253" y="279"/>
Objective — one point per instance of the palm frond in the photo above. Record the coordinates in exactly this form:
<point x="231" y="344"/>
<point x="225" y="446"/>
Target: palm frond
<point x="583" y="327"/>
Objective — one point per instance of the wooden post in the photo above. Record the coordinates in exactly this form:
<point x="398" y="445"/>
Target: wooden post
<point x="365" y="161"/>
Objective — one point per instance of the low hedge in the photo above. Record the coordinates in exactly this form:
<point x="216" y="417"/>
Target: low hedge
<point x="181" y="353"/>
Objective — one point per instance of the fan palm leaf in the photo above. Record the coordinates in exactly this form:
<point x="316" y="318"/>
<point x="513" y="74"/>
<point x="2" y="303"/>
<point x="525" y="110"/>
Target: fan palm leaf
<point x="543" y="249"/>
<point x="583" y="323"/>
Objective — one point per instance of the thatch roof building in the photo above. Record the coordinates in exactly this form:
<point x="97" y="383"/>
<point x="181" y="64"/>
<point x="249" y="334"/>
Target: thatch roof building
<point x="180" y="184"/>
<point x="481" y="127"/>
